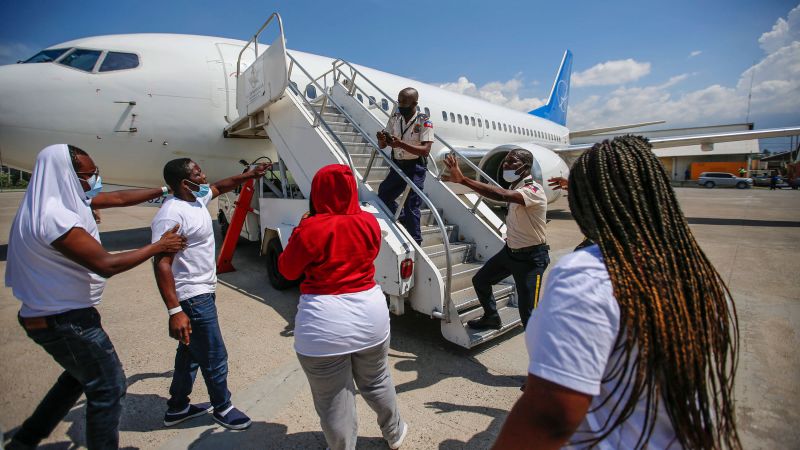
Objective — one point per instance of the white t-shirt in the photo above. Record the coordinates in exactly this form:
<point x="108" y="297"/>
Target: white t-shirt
<point x="193" y="268"/>
<point x="525" y="224"/>
<point x="41" y="277"/>
<point x="331" y="325"/>
<point x="571" y="338"/>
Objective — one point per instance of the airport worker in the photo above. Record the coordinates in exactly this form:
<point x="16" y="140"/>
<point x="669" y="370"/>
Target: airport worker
<point x="57" y="268"/>
<point x="187" y="282"/>
<point x="635" y="341"/>
<point x="525" y="255"/>
<point x="342" y="324"/>
<point x="410" y="134"/>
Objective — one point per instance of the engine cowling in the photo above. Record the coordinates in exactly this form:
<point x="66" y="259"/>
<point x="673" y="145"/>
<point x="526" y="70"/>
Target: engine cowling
<point x="546" y="164"/>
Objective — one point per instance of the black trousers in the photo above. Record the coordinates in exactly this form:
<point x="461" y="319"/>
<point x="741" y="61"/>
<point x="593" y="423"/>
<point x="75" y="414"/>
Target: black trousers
<point x="527" y="269"/>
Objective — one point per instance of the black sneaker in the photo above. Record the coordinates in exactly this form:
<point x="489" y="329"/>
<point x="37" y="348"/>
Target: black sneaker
<point x="232" y="419"/>
<point x="486" y="322"/>
<point x="192" y="411"/>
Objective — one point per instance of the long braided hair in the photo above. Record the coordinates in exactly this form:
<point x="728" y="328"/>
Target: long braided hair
<point x="679" y="337"/>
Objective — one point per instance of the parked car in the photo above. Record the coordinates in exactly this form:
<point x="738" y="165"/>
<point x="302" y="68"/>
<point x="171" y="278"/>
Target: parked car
<point x="721" y="179"/>
<point x="764" y="180"/>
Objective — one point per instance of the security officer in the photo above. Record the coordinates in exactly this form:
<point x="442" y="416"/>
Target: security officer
<point x="410" y="134"/>
<point x="525" y="255"/>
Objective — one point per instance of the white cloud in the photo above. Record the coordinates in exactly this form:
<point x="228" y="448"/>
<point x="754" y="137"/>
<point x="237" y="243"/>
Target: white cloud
<point x="504" y="93"/>
<point x="611" y="72"/>
<point x="11" y="53"/>
<point x="784" y="32"/>
<point x="695" y="53"/>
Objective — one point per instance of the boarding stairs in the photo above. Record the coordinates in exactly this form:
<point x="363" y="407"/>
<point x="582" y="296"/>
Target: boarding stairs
<point x="275" y="101"/>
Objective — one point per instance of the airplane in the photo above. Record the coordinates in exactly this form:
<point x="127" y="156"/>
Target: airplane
<point x="135" y="101"/>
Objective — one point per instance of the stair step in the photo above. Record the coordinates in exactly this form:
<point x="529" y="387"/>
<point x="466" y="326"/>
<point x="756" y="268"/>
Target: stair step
<point x="477" y="312"/>
<point x="462" y="275"/>
<point x="426" y="218"/>
<point x="431" y="234"/>
<point x="467" y="298"/>
<point x="509" y="317"/>
<point x="460" y="252"/>
<point x="338" y="126"/>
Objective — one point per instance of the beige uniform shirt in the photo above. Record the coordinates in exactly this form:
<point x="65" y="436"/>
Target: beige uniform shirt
<point x="416" y="131"/>
<point x="525" y="224"/>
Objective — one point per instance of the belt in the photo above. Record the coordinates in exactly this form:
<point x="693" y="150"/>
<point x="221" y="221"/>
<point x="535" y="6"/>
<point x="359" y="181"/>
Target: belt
<point x="44" y="322"/>
<point x="532" y="248"/>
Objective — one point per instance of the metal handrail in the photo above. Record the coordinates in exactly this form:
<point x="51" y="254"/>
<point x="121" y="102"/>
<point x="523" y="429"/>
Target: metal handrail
<point x="254" y="40"/>
<point x="392" y="165"/>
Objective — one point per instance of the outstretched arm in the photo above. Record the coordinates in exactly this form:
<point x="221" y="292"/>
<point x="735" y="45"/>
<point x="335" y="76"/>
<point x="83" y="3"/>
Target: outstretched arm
<point x="484" y="189"/>
<point x="230" y="183"/>
<point x="127" y="197"/>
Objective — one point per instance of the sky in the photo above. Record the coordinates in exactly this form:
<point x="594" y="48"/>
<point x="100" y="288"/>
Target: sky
<point x="690" y="63"/>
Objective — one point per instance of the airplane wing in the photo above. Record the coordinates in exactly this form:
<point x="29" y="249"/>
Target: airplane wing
<point x="590" y="132"/>
<point x="706" y="141"/>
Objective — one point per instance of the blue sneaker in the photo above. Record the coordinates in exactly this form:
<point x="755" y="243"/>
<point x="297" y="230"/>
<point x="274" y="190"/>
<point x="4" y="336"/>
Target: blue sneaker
<point x="191" y="411"/>
<point x="232" y="419"/>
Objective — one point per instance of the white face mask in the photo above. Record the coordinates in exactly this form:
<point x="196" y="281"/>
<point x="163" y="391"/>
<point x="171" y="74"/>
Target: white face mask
<point x="510" y="176"/>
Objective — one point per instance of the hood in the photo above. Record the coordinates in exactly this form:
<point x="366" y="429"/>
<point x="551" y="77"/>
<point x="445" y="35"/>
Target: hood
<point x="333" y="191"/>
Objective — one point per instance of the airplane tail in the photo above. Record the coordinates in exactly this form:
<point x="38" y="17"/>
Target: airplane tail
<point x="556" y="108"/>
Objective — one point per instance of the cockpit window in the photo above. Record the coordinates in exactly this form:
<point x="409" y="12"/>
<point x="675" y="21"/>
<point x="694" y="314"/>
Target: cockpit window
<point x="81" y="59"/>
<point x="119" y="61"/>
<point x="46" y="56"/>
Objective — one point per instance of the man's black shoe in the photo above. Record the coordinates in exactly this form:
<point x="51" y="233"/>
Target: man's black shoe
<point x="486" y="322"/>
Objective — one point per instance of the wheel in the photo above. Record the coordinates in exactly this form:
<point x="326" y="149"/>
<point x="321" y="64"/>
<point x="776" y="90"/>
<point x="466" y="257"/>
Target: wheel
<point x="709" y="184"/>
<point x="274" y="250"/>
<point x="741" y="185"/>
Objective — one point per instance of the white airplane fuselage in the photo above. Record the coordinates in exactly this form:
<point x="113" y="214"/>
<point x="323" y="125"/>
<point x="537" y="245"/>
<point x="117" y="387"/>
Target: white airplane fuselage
<point x="175" y="104"/>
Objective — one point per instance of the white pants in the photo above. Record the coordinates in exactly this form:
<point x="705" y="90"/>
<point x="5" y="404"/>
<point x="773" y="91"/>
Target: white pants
<point x="332" y="386"/>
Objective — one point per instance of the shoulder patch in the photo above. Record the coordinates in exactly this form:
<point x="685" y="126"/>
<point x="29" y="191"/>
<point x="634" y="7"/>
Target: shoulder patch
<point x="428" y="124"/>
<point x="532" y="187"/>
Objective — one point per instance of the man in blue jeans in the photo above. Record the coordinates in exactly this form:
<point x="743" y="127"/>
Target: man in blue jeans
<point x="57" y="268"/>
<point x="187" y="281"/>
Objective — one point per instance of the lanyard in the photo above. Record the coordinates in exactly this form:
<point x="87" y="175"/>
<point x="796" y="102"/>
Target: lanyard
<point x="411" y="122"/>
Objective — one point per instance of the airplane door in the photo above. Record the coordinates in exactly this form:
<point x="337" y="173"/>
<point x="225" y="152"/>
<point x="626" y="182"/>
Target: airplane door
<point x="225" y="81"/>
<point x="479" y="128"/>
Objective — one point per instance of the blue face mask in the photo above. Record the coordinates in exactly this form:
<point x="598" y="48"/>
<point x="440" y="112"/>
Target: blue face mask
<point x="95" y="186"/>
<point x="203" y="190"/>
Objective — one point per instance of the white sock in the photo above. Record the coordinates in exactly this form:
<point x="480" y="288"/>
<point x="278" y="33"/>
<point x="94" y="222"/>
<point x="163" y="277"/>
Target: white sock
<point x="181" y="412"/>
<point x="227" y="410"/>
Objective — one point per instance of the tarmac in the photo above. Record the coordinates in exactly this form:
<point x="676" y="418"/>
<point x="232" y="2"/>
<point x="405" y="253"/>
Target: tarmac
<point x="452" y="398"/>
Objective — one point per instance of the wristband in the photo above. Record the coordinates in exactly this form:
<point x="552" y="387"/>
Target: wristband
<point x="164" y="191"/>
<point x="175" y="310"/>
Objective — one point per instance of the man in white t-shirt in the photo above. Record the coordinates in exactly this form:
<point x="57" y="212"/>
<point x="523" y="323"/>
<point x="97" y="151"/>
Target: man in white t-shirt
<point x="525" y="255"/>
<point x="187" y="283"/>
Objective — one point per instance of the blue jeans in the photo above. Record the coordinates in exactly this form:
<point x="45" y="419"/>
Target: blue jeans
<point x="393" y="186"/>
<point x="77" y="342"/>
<point x="526" y="267"/>
<point x="205" y="351"/>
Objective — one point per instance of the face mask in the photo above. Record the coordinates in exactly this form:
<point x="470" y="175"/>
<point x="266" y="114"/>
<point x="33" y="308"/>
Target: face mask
<point x="405" y="110"/>
<point x="203" y="190"/>
<point x="95" y="186"/>
<point x="510" y="175"/>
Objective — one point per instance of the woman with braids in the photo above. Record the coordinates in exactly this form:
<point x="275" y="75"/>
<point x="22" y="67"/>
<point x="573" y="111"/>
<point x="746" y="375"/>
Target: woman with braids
<point x="635" y="341"/>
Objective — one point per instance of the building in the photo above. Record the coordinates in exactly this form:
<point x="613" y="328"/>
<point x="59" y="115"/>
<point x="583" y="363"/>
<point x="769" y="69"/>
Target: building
<point x="723" y="157"/>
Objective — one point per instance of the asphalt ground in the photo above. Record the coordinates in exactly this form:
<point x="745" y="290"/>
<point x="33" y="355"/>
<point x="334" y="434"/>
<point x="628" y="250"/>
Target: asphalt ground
<point x="452" y="398"/>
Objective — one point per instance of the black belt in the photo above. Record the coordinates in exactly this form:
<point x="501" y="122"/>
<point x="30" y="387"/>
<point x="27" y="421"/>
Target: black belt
<point x="532" y="248"/>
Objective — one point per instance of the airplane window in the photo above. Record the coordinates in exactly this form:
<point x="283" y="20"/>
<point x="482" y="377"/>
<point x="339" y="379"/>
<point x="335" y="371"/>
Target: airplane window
<point x="452" y="117"/>
<point x="459" y="119"/>
<point x="360" y="98"/>
<point x="371" y="100"/>
<point x="385" y="104"/>
<point x="46" y="56"/>
<point x="505" y="128"/>
<point x="427" y="111"/>
<point x="119" y="61"/>
<point x="480" y="124"/>
<point x="311" y="91"/>
<point x="494" y="125"/>
<point x="472" y="121"/>
<point x="417" y="108"/>
<point x="444" y="116"/>
<point x="81" y="59"/>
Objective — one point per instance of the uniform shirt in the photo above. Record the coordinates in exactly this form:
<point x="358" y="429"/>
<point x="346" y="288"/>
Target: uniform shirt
<point x="525" y="224"/>
<point x="571" y="342"/>
<point x="193" y="268"/>
<point x="416" y="131"/>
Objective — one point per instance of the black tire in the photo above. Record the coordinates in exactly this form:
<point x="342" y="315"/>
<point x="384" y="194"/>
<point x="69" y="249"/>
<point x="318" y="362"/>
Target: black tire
<point x="741" y="185"/>
<point x="274" y="250"/>
<point x="709" y="184"/>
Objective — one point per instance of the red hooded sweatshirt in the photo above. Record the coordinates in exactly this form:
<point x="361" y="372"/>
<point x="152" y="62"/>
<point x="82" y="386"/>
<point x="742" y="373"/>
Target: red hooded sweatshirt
<point x="335" y="248"/>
